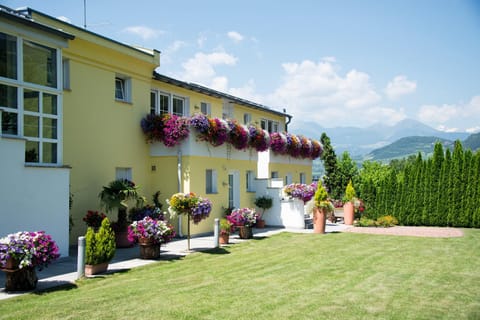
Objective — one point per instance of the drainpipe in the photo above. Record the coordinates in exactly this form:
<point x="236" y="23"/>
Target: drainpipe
<point x="289" y="119"/>
<point x="179" y="189"/>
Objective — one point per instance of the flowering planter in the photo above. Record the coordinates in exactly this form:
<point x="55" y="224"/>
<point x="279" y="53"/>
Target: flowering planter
<point x="92" y="269"/>
<point x="348" y="212"/>
<point x="245" y="232"/>
<point x="223" y="238"/>
<point x="11" y="264"/>
<point x="23" y="279"/>
<point x="319" y="220"/>
<point x="148" y="248"/>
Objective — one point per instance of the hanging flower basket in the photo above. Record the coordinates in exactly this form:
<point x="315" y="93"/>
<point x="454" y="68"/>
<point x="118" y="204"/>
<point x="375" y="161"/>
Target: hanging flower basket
<point x="259" y="139"/>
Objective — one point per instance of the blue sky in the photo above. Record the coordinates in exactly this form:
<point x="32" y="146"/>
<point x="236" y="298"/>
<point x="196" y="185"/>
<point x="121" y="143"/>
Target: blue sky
<point x="338" y="63"/>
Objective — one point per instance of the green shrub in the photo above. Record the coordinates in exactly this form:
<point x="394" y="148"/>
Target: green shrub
<point x="100" y="246"/>
<point x="387" y="221"/>
<point x="366" y="222"/>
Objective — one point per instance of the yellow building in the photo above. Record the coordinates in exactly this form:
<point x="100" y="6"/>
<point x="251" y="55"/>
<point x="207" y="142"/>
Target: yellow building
<point x="109" y="87"/>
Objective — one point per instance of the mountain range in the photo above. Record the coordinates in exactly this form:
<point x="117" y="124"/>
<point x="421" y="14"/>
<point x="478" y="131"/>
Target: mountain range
<point x="359" y="142"/>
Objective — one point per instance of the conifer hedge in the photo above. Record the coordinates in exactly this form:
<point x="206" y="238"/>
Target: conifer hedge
<point x="442" y="190"/>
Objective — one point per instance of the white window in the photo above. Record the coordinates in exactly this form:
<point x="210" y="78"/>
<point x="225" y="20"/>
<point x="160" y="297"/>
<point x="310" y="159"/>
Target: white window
<point x="288" y="178"/>
<point x="247" y="118"/>
<point x="30" y="97"/>
<point x="211" y="181"/>
<point x="269" y="125"/>
<point x="122" y="88"/>
<point x="154" y="102"/>
<point x="303" y="178"/>
<point x="163" y="103"/>
<point x="123" y="173"/>
<point x="227" y="112"/>
<point x="205" y="108"/>
<point x="250" y="181"/>
<point x="178" y="106"/>
<point x="66" y="74"/>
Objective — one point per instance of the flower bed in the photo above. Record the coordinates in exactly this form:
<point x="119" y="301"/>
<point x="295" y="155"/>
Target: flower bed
<point x="172" y="130"/>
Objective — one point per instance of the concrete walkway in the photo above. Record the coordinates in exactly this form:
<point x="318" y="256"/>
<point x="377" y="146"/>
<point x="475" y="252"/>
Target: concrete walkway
<point x="63" y="272"/>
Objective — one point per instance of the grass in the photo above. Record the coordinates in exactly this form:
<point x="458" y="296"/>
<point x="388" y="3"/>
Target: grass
<point x="287" y="276"/>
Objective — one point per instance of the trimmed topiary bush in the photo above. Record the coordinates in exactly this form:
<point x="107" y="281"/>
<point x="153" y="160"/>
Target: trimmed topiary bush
<point x="100" y="246"/>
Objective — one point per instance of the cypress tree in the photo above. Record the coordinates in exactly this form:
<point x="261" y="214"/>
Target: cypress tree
<point x="330" y="164"/>
<point x="466" y="213"/>
<point x="457" y="185"/>
<point x="436" y="195"/>
<point x="427" y="193"/>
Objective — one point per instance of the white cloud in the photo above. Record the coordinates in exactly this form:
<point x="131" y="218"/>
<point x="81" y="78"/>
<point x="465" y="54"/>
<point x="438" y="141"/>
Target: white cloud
<point x="168" y="53"/>
<point x="201" y="69"/>
<point x="318" y="92"/>
<point x="201" y="40"/>
<point x="400" y="86"/>
<point x="449" y="117"/>
<point x="473" y="129"/>
<point x="146" y="33"/>
<point x="235" y="36"/>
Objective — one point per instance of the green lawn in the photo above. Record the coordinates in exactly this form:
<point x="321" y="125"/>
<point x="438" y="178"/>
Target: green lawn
<point x="287" y="276"/>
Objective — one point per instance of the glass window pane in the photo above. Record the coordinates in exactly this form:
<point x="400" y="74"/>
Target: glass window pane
<point x="30" y="100"/>
<point x="153" y="101"/>
<point x="49" y="152"/>
<point x="49" y="103"/>
<point x="177" y="106"/>
<point x="31" y="151"/>
<point x="9" y="123"/>
<point x="39" y="64"/>
<point x="119" y="89"/>
<point x="8" y="96"/>
<point x="30" y="126"/>
<point x="163" y="104"/>
<point x="49" y="128"/>
<point x="8" y="56"/>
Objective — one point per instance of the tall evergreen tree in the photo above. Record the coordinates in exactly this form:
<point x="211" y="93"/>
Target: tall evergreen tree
<point x="329" y="159"/>
<point x="347" y="171"/>
<point x="437" y="172"/>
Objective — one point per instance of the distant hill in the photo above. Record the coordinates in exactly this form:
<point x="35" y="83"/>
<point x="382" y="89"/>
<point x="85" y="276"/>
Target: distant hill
<point x="361" y="141"/>
<point x="472" y="142"/>
<point x="407" y="146"/>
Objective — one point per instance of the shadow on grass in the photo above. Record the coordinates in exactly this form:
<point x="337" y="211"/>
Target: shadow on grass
<point x="52" y="286"/>
<point x="216" y="251"/>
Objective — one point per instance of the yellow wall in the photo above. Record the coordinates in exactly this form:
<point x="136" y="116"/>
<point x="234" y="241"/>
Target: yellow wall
<point x="100" y="133"/>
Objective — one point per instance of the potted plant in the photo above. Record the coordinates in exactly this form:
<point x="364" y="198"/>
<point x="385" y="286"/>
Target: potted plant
<point x="94" y="219"/>
<point x="348" y="206"/>
<point x="99" y="248"/>
<point x="21" y="254"/>
<point x="322" y="207"/>
<point x="150" y="234"/>
<point x="225" y="229"/>
<point x="115" y="196"/>
<point x="194" y="207"/>
<point x="264" y="203"/>
<point x="243" y="219"/>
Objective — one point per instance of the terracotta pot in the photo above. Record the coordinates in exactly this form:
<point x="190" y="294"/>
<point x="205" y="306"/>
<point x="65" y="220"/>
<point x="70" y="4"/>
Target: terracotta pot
<point x="223" y="238"/>
<point x="260" y="224"/>
<point x="148" y="248"/>
<point x="245" y="232"/>
<point x="348" y="213"/>
<point x="92" y="269"/>
<point x="319" y="220"/>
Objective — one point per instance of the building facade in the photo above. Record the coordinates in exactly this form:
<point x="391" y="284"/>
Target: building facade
<point x="103" y="91"/>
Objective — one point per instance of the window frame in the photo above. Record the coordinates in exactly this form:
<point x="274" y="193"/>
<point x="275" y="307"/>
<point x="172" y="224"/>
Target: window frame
<point x="48" y="142"/>
<point x="164" y="103"/>
<point x="211" y="185"/>
<point x="249" y="180"/>
<point x="126" y="88"/>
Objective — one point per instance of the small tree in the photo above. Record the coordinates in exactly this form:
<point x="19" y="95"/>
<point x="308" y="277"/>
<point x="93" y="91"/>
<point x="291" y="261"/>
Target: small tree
<point x="349" y="192"/>
<point x="264" y="203"/>
<point x="100" y="246"/>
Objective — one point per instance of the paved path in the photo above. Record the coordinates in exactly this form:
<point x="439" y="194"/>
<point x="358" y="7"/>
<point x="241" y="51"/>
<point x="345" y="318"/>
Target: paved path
<point x="64" y="271"/>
